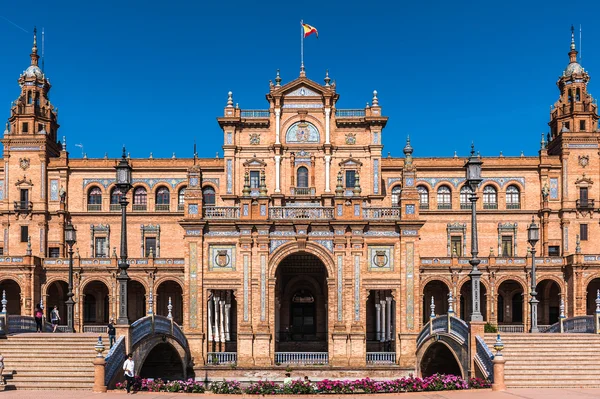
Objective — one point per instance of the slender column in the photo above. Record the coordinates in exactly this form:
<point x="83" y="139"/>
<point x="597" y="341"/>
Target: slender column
<point x="216" y="303"/>
<point x="221" y="319"/>
<point x="70" y="294"/>
<point x="327" y="168"/>
<point x="378" y="321"/>
<point x="277" y="127"/>
<point x="277" y="173"/>
<point x="227" y="326"/>
<point x="533" y="302"/>
<point x="389" y="318"/>
<point x="210" y="326"/>
<point x="327" y="119"/>
<point x="475" y="273"/>
<point x="123" y="278"/>
<point x="383" y="322"/>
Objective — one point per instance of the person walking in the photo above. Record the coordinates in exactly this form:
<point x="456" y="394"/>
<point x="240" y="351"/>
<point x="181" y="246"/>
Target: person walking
<point x="112" y="332"/>
<point x="129" y="368"/>
<point x="1" y="370"/>
<point x="38" y="314"/>
<point x="55" y="318"/>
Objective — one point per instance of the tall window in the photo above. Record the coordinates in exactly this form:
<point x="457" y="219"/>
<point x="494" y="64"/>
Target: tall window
<point x="465" y="195"/>
<point x="350" y="178"/>
<point x="302" y="177"/>
<point x="101" y="247"/>
<point x="95" y="196"/>
<point x="29" y="97"/>
<point x="582" y="125"/>
<point x="490" y="197"/>
<point x="181" y="199"/>
<point x="254" y="179"/>
<point x="513" y="198"/>
<point x="140" y="199"/>
<point x="456" y="245"/>
<point x="162" y="196"/>
<point x="507" y="246"/>
<point x="208" y="196"/>
<point x="583" y="196"/>
<point x="150" y="244"/>
<point x="24" y="233"/>
<point x="444" y="198"/>
<point x="24" y="196"/>
<point x="583" y="232"/>
<point x="423" y="197"/>
<point x="396" y="195"/>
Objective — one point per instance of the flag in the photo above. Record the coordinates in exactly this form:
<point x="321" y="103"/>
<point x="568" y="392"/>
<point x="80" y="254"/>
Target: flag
<point x="309" y="30"/>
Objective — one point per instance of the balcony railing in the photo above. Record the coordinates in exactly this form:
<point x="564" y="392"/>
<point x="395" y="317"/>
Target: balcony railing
<point x="216" y="358"/>
<point x="21" y="206"/>
<point x="180" y="207"/>
<point x="140" y="207"/>
<point x="381" y="213"/>
<point x="381" y="357"/>
<point x="490" y="205"/>
<point x="464" y="205"/>
<point x="511" y="328"/>
<point x="424" y="205"/>
<point x="301" y="358"/>
<point x="162" y="207"/>
<point x="444" y="206"/>
<point x="349" y="113"/>
<point x="115" y="207"/>
<point x="585" y="203"/>
<point x="281" y="212"/>
<point x="515" y="205"/>
<point x="255" y="113"/>
<point x="94" y="207"/>
<point x="95" y="329"/>
<point x="302" y="191"/>
<point x="221" y="212"/>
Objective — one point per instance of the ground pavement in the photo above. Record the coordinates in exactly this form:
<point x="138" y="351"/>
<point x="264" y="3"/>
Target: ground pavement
<point x="524" y="393"/>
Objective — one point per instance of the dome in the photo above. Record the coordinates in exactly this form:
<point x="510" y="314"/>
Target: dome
<point x="572" y="68"/>
<point x="34" y="71"/>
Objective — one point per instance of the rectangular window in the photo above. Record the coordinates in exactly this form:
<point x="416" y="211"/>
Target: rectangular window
<point x="456" y="245"/>
<point x="24" y="195"/>
<point x="150" y="245"/>
<point x="582" y="125"/>
<point x="53" y="252"/>
<point x="568" y="125"/>
<point x="583" y="232"/>
<point x="553" y="250"/>
<point x="350" y="178"/>
<point x="583" y="195"/>
<point x="24" y="233"/>
<point x="25" y="127"/>
<point x="507" y="246"/>
<point x="100" y="247"/>
<point x="1" y="251"/>
<point x="254" y="179"/>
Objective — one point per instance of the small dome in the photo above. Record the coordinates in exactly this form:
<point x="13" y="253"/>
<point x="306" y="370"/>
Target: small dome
<point x="33" y="71"/>
<point x="572" y="68"/>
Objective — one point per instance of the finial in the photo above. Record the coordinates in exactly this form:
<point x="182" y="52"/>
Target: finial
<point x="128" y="156"/>
<point x="217" y="155"/>
<point x="572" y="38"/>
<point x="472" y="148"/>
<point x="151" y="156"/>
<point x="302" y="72"/>
<point x="522" y="153"/>
<point x="124" y="152"/>
<point x="543" y="142"/>
<point x="498" y="345"/>
<point x="375" y="99"/>
<point x="432" y="307"/>
<point x="327" y="80"/>
<point x="34" y="48"/>
<point x="173" y="157"/>
<point x="277" y="79"/>
<point x="6" y="131"/>
<point x="230" y="99"/>
<point x="367" y="106"/>
<point x="408" y="150"/>
<point x="106" y="155"/>
<point x="455" y="154"/>
<point x="450" y="302"/>
<point x="501" y="154"/>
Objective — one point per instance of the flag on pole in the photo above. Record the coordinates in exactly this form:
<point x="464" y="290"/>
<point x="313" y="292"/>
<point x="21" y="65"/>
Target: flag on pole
<point x="309" y="30"/>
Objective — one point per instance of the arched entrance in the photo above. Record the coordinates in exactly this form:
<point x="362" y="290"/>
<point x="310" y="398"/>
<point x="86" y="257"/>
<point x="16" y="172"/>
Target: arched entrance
<point x="592" y="291"/>
<point x="95" y="303"/>
<point x="439" y="291"/>
<point x="13" y="296"/>
<point x="163" y="362"/>
<point x="548" y="293"/>
<point x="301" y="304"/>
<point x="510" y="303"/>
<point x="136" y="301"/>
<point x="170" y="289"/>
<point x="57" y="296"/>
<point x="466" y="303"/>
<point x="439" y="359"/>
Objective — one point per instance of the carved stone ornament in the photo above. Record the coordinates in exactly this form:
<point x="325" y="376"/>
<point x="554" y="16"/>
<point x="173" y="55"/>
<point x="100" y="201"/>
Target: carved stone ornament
<point x="350" y="138"/>
<point x="380" y="259"/>
<point x="254" y="138"/>
<point x="24" y="163"/>
<point x="222" y="258"/>
<point x="584" y="160"/>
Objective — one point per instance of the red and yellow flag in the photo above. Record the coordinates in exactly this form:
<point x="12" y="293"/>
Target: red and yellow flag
<point x="309" y="30"/>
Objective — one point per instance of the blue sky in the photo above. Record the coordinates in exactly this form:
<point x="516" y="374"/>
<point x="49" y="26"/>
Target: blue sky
<point x="154" y="75"/>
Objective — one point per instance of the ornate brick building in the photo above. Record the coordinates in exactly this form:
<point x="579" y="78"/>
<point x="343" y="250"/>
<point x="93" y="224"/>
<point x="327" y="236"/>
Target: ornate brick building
<point x="303" y="237"/>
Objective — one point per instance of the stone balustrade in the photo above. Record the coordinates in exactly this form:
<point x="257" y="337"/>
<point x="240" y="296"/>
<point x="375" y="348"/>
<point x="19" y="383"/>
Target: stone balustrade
<point x="309" y="212"/>
<point x="221" y="212"/>
<point x="377" y="213"/>
<point x="301" y="358"/>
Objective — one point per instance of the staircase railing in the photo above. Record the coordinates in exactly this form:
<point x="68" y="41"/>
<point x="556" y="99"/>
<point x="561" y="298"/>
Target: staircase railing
<point x="156" y="324"/>
<point x="578" y="324"/>
<point x="20" y="324"/>
<point x="484" y="357"/>
<point x="444" y="323"/>
<point x="115" y="358"/>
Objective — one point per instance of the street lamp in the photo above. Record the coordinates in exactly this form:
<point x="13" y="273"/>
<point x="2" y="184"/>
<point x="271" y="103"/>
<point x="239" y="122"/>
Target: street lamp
<point x="473" y="171"/>
<point x="533" y="236"/>
<point x="70" y="239"/>
<point x="124" y="185"/>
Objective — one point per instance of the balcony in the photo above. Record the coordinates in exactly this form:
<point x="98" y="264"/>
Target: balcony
<point x="490" y="205"/>
<point x="424" y="205"/>
<point x="585" y="204"/>
<point x="444" y="206"/>
<point x="219" y="358"/>
<point x="381" y="213"/>
<point x="312" y="212"/>
<point x="302" y="191"/>
<point x="162" y="207"/>
<point x="180" y="207"/>
<point x="350" y="113"/>
<point x="255" y="113"/>
<point x="23" y="206"/>
<point x="465" y="205"/>
<point x="94" y="207"/>
<point x="515" y="205"/>
<point x="140" y="207"/>
<point x="221" y="212"/>
<point x="115" y="207"/>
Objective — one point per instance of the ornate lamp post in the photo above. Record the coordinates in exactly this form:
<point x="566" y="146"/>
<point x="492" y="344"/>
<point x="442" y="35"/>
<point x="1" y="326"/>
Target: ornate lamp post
<point x="70" y="239"/>
<point x="533" y="236"/>
<point x="124" y="185"/>
<point x="473" y="171"/>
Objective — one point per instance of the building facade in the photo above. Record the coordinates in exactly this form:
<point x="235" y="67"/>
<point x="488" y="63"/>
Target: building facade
<point x="303" y="237"/>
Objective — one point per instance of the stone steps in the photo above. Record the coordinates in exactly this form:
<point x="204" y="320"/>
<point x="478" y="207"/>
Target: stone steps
<point x="549" y="360"/>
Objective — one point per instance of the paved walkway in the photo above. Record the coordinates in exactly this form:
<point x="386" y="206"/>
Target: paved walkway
<point x="533" y="393"/>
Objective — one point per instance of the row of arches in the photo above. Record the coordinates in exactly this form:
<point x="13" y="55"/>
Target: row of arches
<point x="444" y="197"/>
<point x="162" y="196"/>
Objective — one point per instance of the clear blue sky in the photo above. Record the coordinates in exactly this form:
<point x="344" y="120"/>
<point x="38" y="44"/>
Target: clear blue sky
<point x="154" y="75"/>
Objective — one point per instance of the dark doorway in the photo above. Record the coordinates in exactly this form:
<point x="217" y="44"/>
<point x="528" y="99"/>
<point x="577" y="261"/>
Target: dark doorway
<point x="439" y="359"/>
<point x="163" y="362"/>
<point x="57" y="296"/>
<point x="95" y="303"/>
<point x="13" y="296"/>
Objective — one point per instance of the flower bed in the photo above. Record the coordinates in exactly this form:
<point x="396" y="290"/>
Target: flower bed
<point x="437" y="382"/>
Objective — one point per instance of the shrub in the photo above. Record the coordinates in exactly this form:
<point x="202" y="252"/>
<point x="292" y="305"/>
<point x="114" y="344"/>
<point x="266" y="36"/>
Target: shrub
<point x="263" y="388"/>
<point x="490" y="328"/>
<point x="225" y="387"/>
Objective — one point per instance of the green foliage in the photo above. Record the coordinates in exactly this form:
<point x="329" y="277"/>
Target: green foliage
<point x="490" y="328"/>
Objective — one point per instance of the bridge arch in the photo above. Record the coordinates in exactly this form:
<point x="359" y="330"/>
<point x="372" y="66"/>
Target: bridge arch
<point x="439" y="355"/>
<point x="162" y="356"/>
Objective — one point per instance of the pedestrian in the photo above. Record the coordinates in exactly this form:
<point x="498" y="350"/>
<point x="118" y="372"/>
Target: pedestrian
<point x="1" y="370"/>
<point x="110" y="329"/>
<point x="288" y="379"/>
<point x="38" y="314"/>
<point x="54" y="318"/>
<point x="129" y="368"/>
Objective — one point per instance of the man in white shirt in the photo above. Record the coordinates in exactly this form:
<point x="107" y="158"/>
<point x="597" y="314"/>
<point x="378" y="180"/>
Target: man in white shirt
<point x="129" y="369"/>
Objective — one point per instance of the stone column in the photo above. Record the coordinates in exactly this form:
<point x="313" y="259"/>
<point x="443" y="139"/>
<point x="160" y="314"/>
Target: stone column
<point x="277" y="127"/>
<point x="389" y="318"/>
<point x="327" y="124"/>
<point x="327" y="172"/>
<point x="277" y="173"/>
<point x="383" y="322"/>
<point x="209" y="317"/>
<point x="378" y="321"/>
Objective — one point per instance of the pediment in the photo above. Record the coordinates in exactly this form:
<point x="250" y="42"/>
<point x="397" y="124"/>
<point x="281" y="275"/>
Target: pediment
<point x="255" y="162"/>
<point x="303" y="91"/>
<point x="24" y="182"/>
<point x="302" y="87"/>
<point x="350" y="162"/>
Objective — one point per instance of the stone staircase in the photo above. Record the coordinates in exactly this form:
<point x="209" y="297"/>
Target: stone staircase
<point x="50" y="361"/>
<point x="550" y="360"/>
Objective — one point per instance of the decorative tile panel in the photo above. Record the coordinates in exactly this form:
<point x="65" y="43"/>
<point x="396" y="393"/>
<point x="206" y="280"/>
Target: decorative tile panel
<point x="263" y="287"/>
<point x="229" y="176"/>
<point x="356" y="210"/>
<point x="43" y="182"/>
<point x="221" y="258"/>
<point x="213" y="180"/>
<point x="193" y="285"/>
<point x="173" y="182"/>
<point x="276" y="243"/>
<point x="263" y="210"/>
<point x="457" y="181"/>
<point x="392" y="180"/>
<point x="376" y="138"/>
<point x="193" y="209"/>
<point x="326" y="243"/>
<point x="410" y="182"/>
<point x="410" y="285"/>
<point x="302" y="132"/>
<point x="246" y="286"/>
<point x="356" y="287"/>
<point x="340" y="210"/>
<point x="53" y="190"/>
<point x="192" y="232"/>
<point x="566" y="238"/>
<point x="245" y="210"/>
<point x="376" y="176"/>
<point x="340" y="286"/>
<point x="553" y="188"/>
<point x="381" y="258"/>
<point x="377" y="233"/>
<point x="229" y="138"/>
<point x="410" y="209"/>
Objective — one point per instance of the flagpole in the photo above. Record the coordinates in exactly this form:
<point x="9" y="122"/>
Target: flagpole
<point x="301" y="48"/>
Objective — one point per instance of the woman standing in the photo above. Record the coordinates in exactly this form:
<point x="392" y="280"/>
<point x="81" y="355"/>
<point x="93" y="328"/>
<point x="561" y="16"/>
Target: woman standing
<point x="55" y="318"/>
<point x="38" y="318"/>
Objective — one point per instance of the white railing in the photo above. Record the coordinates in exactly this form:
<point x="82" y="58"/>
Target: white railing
<point x="95" y="329"/>
<point x="301" y="358"/>
<point x="282" y="212"/>
<point x="216" y="358"/>
<point x="221" y="212"/>
<point x="349" y="113"/>
<point x="511" y="328"/>
<point x="381" y="213"/>
<point x="255" y="113"/>
<point x="381" y="357"/>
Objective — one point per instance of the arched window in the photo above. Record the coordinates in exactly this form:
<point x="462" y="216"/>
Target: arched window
<point x="37" y="98"/>
<point x="444" y="197"/>
<point x="302" y="177"/>
<point x="29" y="97"/>
<point x="208" y="196"/>
<point x="578" y="95"/>
<point x="181" y="199"/>
<point x="465" y="195"/>
<point x="490" y="198"/>
<point x="115" y="196"/>
<point x="162" y="196"/>
<point x="423" y="197"/>
<point x="570" y="95"/>
<point x="513" y="197"/>
<point x="396" y="195"/>
<point x="140" y="199"/>
<point x="94" y="199"/>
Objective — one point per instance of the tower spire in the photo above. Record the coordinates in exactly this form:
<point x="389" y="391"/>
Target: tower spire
<point x="572" y="38"/>
<point x="573" y="52"/>
<point x="34" y="55"/>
